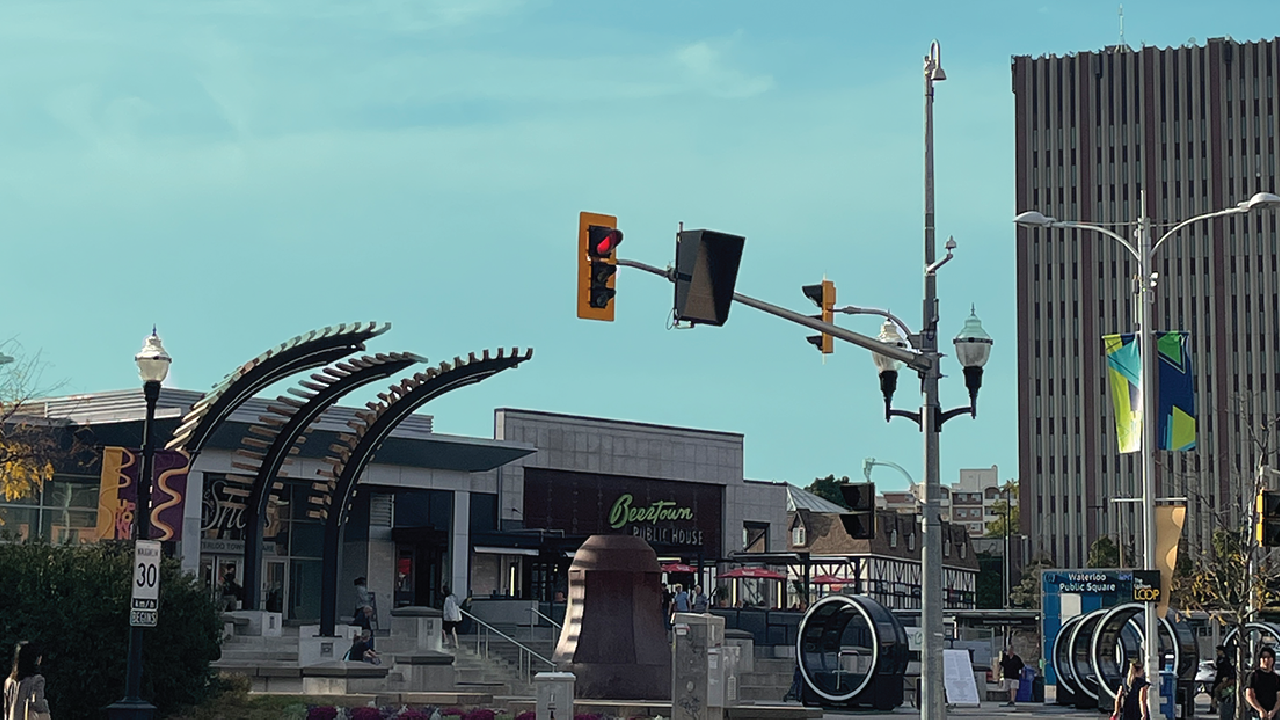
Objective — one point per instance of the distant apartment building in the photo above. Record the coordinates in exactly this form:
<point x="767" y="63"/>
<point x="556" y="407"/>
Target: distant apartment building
<point x="968" y="503"/>
<point x="1193" y="130"/>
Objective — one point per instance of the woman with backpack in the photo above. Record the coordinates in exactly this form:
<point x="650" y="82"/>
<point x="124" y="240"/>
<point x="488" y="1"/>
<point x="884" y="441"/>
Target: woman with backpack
<point x="1131" y="700"/>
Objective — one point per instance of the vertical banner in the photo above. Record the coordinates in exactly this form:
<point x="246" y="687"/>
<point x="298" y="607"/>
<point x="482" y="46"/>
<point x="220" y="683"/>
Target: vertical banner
<point x="1169" y="521"/>
<point x="1124" y="373"/>
<point x="118" y="493"/>
<point x="1175" y="393"/>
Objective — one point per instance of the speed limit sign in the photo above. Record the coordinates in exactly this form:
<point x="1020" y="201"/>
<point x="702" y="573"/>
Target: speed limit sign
<point x="145" y="604"/>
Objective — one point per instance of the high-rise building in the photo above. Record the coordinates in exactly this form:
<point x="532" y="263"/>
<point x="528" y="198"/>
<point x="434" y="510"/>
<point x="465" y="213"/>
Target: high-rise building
<point x="1192" y="130"/>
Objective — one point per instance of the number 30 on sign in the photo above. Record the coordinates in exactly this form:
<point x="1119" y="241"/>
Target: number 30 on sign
<point x="145" y="604"/>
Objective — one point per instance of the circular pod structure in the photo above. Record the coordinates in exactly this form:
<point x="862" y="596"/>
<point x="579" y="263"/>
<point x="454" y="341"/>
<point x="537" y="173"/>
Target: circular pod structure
<point x="1068" y="685"/>
<point x="851" y="651"/>
<point x="1256" y="630"/>
<point x="1118" y="638"/>
<point x="1080" y="640"/>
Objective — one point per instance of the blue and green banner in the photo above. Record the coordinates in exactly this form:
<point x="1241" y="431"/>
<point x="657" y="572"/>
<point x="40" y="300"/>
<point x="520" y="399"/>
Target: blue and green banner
<point x="1175" y="391"/>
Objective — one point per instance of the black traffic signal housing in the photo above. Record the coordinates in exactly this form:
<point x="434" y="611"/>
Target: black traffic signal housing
<point x="824" y="296"/>
<point x="706" y="273"/>
<point x="598" y="240"/>
<point x="860" y="521"/>
<point x="1268" y="530"/>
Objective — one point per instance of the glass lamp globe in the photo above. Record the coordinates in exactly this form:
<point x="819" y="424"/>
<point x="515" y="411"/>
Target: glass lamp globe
<point x="153" y="361"/>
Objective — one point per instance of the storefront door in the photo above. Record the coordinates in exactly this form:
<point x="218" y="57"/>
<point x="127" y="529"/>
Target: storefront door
<point x="304" y="590"/>
<point x="420" y="574"/>
<point x="274" y="585"/>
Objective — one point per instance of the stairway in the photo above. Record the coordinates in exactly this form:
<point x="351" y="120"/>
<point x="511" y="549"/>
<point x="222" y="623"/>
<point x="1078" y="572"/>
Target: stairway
<point x="498" y="668"/>
<point x="768" y="682"/>
<point x="257" y="650"/>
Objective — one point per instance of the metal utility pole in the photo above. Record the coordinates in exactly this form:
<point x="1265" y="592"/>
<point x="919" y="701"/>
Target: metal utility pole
<point x="933" y="704"/>
<point x="1008" y="520"/>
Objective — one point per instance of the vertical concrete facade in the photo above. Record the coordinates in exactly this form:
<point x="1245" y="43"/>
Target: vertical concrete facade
<point x="1194" y="128"/>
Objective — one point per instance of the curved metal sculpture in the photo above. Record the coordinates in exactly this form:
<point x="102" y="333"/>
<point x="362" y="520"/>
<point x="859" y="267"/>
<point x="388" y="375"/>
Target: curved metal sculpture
<point x="1261" y="628"/>
<point x="294" y="355"/>
<point x="1117" y="635"/>
<point x="1080" y="639"/>
<point x="851" y="651"/>
<point x="279" y="434"/>
<point x="1089" y="652"/>
<point x="1068" y="687"/>
<point x="371" y="428"/>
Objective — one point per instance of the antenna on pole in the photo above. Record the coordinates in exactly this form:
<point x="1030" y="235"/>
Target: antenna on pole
<point x="1122" y="25"/>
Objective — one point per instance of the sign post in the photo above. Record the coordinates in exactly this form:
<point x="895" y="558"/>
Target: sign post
<point x="144" y="609"/>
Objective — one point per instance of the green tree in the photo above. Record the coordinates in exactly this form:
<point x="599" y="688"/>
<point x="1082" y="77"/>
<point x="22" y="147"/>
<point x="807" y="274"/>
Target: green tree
<point x="1103" y="553"/>
<point x="1234" y="574"/>
<point x="828" y="488"/>
<point x="72" y="600"/>
<point x="1026" y="594"/>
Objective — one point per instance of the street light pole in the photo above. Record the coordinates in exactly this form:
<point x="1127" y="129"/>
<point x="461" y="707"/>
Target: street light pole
<point x="1148" y="355"/>
<point x="153" y="367"/>
<point x="1008" y="519"/>
<point x="933" y="703"/>
<point x="1144" y="253"/>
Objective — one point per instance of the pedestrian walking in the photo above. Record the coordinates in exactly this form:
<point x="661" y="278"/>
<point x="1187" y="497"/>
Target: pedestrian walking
<point x="452" y="616"/>
<point x="1263" y="685"/>
<point x="1131" y="702"/>
<point x="1011" y="672"/>
<point x="24" y="688"/>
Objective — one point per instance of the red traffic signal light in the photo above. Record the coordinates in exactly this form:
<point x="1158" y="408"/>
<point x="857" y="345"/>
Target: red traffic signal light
<point x="604" y="241"/>
<point x="598" y="239"/>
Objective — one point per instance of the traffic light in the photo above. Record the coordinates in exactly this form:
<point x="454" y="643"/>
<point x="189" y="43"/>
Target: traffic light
<point x="706" y="273"/>
<point x="824" y="296"/>
<point x="598" y="240"/>
<point x="860" y="520"/>
<point x="1268" y="530"/>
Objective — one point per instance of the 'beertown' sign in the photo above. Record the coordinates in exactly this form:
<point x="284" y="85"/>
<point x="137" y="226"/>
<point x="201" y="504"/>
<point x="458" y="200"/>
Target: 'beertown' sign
<point x="663" y="512"/>
<point x="624" y="512"/>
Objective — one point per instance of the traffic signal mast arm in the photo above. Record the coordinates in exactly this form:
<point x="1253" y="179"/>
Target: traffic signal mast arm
<point x="915" y="361"/>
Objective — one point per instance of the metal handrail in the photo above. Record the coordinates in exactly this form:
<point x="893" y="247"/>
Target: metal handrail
<point x="524" y="659"/>
<point x="554" y="624"/>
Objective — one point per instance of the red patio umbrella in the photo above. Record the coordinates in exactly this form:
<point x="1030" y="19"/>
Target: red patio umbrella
<point x="678" y="568"/>
<point x="831" y="580"/>
<point x="753" y="572"/>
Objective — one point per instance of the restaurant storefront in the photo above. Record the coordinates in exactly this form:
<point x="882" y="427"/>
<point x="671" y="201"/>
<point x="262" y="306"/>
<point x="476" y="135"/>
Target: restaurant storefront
<point x="680" y="489"/>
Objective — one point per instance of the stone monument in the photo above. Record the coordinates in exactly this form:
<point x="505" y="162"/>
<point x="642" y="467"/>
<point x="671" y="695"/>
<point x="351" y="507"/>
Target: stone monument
<point x="614" y="639"/>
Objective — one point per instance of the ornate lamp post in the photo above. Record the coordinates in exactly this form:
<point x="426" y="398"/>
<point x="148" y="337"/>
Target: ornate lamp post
<point x="973" y="348"/>
<point x="153" y="366"/>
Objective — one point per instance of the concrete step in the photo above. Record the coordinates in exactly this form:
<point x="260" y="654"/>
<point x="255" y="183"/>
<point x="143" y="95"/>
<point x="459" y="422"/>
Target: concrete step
<point x="760" y="694"/>
<point x="766" y="678"/>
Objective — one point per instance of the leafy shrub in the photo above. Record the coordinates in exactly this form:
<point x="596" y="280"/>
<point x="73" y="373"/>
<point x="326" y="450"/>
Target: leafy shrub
<point x="412" y="714"/>
<point x="366" y="713"/>
<point x="479" y="714"/>
<point x="73" y="601"/>
<point x="452" y="711"/>
<point x="527" y="715"/>
<point x="322" y="712"/>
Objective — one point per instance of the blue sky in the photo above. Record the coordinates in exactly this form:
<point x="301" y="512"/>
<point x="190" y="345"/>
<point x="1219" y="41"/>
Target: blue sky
<point x="241" y="172"/>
